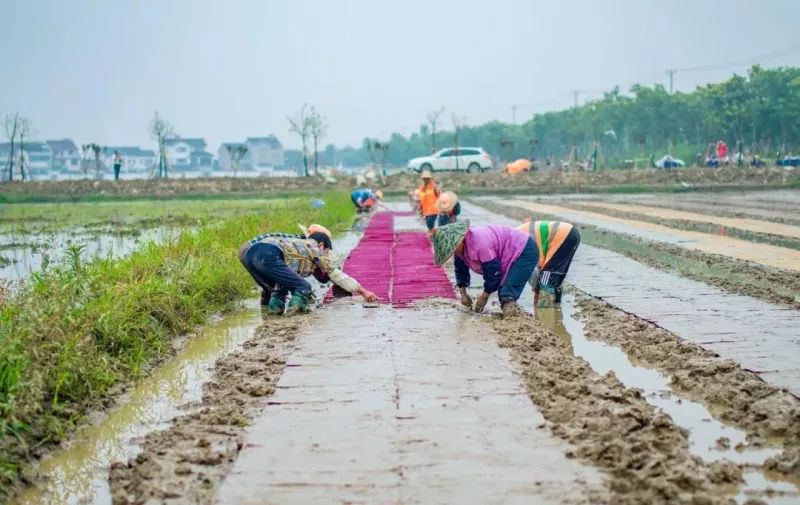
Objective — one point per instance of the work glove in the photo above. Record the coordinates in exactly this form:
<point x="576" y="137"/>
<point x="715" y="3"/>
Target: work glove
<point x="466" y="300"/>
<point x="480" y="303"/>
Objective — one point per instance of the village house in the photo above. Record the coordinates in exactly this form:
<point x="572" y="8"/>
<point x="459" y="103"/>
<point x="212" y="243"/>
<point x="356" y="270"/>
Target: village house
<point x="264" y="155"/>
<point x="134" y="159"/>
<point x="66" y="157"/>
<point x="187" y="154"/>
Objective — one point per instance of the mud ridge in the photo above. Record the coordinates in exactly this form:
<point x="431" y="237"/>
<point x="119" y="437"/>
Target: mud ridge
<point x="747" y="402"/>
<point x="732" y="275"/>
<point x="644" y="454"/>
<point x="186" y="463"/>
<point x="718" y="209"/>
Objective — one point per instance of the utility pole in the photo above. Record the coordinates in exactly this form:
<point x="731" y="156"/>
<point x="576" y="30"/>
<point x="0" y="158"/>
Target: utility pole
<point x="514" y="114"/>
<point x="671" y="79"/>
<point x="575" y="98"/>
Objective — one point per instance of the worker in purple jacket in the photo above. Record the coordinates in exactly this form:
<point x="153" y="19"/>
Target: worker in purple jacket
<point x="504" y="256"/>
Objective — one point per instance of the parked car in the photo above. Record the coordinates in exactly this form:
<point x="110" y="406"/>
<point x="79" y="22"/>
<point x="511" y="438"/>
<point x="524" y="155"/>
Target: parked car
<point x="469" y="159"/>
<point x="669" y="162"/>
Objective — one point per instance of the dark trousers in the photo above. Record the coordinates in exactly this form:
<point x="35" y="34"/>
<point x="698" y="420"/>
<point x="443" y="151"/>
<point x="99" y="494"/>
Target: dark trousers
<point x="116" y="171"/>
<point x="554" y="273"/>
<point x="430" y="221"/>
<point x="266" y="264"/>
<point x="519" y="273"/>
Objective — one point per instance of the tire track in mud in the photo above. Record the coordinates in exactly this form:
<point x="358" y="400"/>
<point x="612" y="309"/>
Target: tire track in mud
<point x="765" y="412"/>
<point x="643" y="453"/>
<point x="185" y="463"/>
<point x="735" y="276"/>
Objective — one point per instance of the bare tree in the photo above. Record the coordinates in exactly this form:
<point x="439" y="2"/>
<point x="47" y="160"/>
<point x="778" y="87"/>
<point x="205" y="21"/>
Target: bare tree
<point x="10" y="127"/>
<point x="161" y="130"/>
<point x="433" y="121"/>
<point x="94" y="151"/>
<point x="458" y="124"/>
<point x="236" y="152"/>
<point x="318" y="129"/>
<point x="301" y="125"/>
<point x="378" y="152"/>
<point x="24" y="129"/>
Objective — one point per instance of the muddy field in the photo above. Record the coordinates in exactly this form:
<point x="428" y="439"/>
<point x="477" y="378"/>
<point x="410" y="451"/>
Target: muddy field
<point x="421" y="401"/>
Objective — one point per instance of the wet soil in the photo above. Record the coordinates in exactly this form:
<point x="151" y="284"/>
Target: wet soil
<point x="735" y="276"/>
<point x="185" y="463"/>
<point x="737" y="396"/>
<point x="690" y="225"/>
<point x="644" y="454"/>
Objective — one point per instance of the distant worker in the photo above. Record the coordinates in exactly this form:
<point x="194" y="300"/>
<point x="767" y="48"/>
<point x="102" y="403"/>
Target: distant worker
<point x="449" y="208"/>
<point x="722" y="153"/>
<point x="117" y="165"/>
<point x="556" y="242"/>
<point x="505" y="257"/>
<point x="428" y="194"/>
<point x="518" y="166"/>
<point x="366" y="199"/>
<point x="278" y="262"/>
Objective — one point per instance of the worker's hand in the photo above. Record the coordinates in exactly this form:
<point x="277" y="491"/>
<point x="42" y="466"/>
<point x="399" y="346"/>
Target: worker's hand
<point x="466" y="300"/>
<point x="368" y="295"/>
<point x="480" y="303"/>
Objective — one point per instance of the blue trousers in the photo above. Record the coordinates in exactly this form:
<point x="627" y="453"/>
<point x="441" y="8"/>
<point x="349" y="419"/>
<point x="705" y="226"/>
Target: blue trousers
<point x="266" y="264"/>
<point x="519" y="273"/>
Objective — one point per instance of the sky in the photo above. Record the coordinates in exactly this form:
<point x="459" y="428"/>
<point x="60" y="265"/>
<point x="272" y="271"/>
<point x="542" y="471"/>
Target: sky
<point x="97" y="70"/>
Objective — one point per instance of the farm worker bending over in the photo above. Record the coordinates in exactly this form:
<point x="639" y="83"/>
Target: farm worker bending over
<point x="428" y="194"/>
<point x="557" y="242"/>
<point x="365" y="199"/>
<point x="505" y="257"/>
<point x="449" y="208"/>
<point x="279" y="262"/>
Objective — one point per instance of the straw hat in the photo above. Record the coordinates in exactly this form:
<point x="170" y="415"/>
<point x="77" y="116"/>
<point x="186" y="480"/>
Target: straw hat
<point x="446" y="201"/>
<point x="426" y="174"/>
<point x="379" y="194"/>
<point x="446" y="238"/>
<point x="315" y="228"/>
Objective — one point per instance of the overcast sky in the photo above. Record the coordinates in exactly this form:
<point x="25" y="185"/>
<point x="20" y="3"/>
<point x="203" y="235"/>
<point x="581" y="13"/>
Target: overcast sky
<point x="96" y="70"/>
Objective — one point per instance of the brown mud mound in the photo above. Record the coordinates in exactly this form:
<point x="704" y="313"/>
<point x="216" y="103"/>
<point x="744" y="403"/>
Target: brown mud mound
<point x="733" y="275"/>
<point x="494" y="181"/>
<point x="645" y="455"/>
<point x="747" y="402"/>
<point x="185" y="463"/>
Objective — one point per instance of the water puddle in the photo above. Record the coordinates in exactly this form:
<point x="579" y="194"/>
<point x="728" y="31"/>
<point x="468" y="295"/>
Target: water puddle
<point x="709" y="439"/>
<point x="29" y="252"/>
<point x="78" y="474"/>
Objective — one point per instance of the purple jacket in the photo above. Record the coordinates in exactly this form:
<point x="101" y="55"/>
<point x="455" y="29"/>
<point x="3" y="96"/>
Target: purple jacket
<point x="486" y="243"/>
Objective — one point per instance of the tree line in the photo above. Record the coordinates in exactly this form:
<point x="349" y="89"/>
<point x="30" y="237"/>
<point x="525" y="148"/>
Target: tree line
<point x="758" y="112"/>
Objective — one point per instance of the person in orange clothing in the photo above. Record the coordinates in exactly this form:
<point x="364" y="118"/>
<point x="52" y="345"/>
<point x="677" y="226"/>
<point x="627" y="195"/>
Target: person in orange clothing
<point x="428" y="194"/>
<point x="557" y="242"/>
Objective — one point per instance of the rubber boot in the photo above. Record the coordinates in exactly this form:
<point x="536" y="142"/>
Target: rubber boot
<point x="557" y="298"/>
<point x="276" y="304"/>
<point x="299" y="304"/>
<point x="510" y="308"/>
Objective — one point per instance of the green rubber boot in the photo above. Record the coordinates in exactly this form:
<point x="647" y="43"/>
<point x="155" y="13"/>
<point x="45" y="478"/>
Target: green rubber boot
<point x="299" y="303"/>
<point x="276" y="304"/>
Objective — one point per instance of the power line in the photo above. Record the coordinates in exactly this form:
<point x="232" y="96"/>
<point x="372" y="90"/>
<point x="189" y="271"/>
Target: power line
<point x="738" y="63"/>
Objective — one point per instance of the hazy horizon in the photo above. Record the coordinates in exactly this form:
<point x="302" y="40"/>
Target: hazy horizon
<point x="97" y="71"/>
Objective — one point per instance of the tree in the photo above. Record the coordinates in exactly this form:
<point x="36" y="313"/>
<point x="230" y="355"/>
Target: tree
<point x="94" y="151"/>
<point x="433" y="121"/>
<point x="236" y="152"/>
<point x="301" y="125"/>
<point x="161" y="130"/>
<point x="24" y="129"/>
<point x="458" y="124"/>
<point x="10" y="127"/>
<point x="318" y="128"/>
<point x="377" y="153"/>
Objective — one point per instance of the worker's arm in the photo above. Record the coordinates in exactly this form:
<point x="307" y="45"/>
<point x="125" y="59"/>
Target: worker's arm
<point x="462" y="281"/>
<point x="344" y="281"/>
<point x="492" y="275"/>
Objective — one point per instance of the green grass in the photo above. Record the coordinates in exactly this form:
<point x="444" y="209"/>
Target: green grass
<point x="70" y="336"/>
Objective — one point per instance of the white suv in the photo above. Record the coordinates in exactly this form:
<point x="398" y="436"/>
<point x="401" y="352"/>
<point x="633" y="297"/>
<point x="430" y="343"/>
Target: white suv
<point x="470" y="159"/>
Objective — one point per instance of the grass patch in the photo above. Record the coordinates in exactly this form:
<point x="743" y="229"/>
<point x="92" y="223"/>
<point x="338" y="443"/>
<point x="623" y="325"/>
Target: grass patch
<point x="73" y="334"/>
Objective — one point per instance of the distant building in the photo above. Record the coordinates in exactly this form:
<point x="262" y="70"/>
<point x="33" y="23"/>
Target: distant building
<point x="66" y="156"/>
<point x="134" y="159"/>
<point x="264" y="155"/>
<point x="187" y="154"/>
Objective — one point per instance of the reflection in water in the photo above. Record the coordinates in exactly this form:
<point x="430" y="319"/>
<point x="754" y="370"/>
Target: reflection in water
<point x="78" y="473"/>
<point x="704" y="429"/>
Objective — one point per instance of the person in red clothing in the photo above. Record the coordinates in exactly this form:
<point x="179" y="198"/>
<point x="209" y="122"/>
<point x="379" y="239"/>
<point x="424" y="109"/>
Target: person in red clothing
<point x="722" y="152"/>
